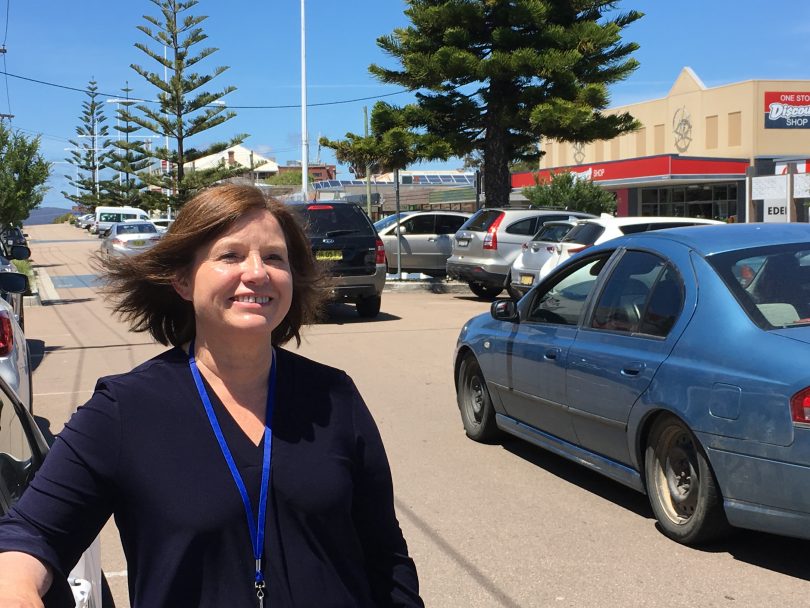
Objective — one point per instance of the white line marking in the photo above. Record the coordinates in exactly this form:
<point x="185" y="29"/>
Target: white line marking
<point x="121" y="573"/>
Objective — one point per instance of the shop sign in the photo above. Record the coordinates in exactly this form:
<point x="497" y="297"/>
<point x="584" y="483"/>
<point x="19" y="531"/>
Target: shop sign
<point x="775" y="211"/>
<point x="787" y="110"/>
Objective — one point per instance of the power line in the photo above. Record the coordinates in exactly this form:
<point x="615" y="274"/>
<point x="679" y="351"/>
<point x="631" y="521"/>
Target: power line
<point x="279" y="107"/>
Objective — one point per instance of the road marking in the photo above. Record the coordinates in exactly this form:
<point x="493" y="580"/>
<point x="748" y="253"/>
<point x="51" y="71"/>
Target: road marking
<point x="120" y="573"/>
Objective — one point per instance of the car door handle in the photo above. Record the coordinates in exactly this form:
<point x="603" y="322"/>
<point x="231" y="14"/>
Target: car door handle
<point x="432" y="239"/>
<point x="633" y="369"/>
<point x="552" y="354"/>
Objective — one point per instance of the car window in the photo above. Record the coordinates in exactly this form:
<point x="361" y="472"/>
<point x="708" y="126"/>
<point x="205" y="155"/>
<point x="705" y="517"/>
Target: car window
<point x="552" y="233"/>
<point x="420" y="224"/>
<point x="481" y="220"/>
<point x="135" y="228"/>
<point x="563" y="302"/>
<point x="527" y="226"/>
<point x="109" y="217"/>
<point x="585" y="233"/>
<point x="334" y="220"/>
<point x="772" y="284"/>
<point x="633" y="300"/>
<point x="16" y="458"/>
<point x="449" y="224"/>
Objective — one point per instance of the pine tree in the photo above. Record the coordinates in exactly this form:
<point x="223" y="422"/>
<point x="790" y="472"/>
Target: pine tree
<point x="498" y="75"/>
<point x="23" y="172"/>
<point x="129" y="158"/>
<point x="89" y="152"/>
<point x="184" y="110"/>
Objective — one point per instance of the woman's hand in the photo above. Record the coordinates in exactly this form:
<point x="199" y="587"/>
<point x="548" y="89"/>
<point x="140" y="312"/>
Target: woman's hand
<point x="23" y="580"/>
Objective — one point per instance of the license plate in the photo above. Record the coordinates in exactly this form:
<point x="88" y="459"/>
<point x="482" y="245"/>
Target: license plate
<point x="463" y="242"/>
<point x="138" y="243"/>
<point x="329" y="254"/>
<point x="526" y="279"/>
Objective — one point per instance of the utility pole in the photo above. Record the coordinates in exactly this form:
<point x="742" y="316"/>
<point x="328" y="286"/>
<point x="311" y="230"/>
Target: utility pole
<point x="304" y="134"/>
<point x="5" y="116"/>
<point x="368" y="167"/>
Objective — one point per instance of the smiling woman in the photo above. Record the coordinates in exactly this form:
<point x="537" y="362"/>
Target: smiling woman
<point x="238" y="472"/>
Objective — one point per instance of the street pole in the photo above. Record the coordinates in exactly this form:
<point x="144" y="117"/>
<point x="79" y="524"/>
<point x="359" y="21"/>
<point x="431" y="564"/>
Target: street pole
<point x="304" y="134"/>
<point x="399" y="241"/>
<point x="368" y="167"/>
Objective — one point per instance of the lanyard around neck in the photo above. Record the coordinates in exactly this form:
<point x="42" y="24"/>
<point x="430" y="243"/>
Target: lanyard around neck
<point x="255" y="527"/>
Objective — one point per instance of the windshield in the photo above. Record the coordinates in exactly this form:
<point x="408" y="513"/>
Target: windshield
<point x="771" y="283"/>
<point x="389" y="220"/>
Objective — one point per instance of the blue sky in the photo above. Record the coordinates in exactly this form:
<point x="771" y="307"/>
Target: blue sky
<point x="68" y="43"/>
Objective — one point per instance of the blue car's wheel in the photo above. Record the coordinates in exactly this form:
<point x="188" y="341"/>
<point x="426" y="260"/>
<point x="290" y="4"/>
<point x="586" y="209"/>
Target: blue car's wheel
<point x="681" y="486"/>
<point x="474" y="401"/>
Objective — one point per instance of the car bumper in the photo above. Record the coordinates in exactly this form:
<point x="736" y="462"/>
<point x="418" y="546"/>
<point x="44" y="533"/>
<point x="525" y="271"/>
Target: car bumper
<point x="473" y="273"/>
<point x="353" y="288"/>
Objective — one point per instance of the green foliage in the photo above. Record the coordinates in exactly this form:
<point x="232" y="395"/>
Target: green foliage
<point x="65" y="217"/>
<point x="185" y="109"/>
<point x="88" y="152"/>
<point x="392" y="144"/>
<point x="496" y="76"/>
<point x="572" y="193"/>
<point x="24" y="266"/>
<point x="287" y="178"/>
<point x="23" y="173"/>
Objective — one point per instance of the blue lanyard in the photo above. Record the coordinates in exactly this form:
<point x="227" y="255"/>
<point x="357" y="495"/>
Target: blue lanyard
<point x="256" y="527"/>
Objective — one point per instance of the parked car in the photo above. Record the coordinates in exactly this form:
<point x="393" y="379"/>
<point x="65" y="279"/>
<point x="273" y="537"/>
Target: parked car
<point x="129" y="238"/>
<point x="85" y="221"/>
<point x="13" y="235"/>
<point x="162" y="224"/>
<point x="534" y="253"/>
<point x="425" y="240"/>
<point x="15" y="359"/>
<point x="22" y="451"/>
<point x="105" y="217"/>
<point x="650" y="359"/>
<point x="598" y="230"/>
<point x="487" y="244"/>
<point x="344" y="239"/>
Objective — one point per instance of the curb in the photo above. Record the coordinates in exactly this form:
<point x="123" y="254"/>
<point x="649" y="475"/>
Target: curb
<point x="45" y="291"/>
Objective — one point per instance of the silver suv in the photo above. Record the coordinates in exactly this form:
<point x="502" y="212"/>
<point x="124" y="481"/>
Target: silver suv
<point x="487" y="244"/>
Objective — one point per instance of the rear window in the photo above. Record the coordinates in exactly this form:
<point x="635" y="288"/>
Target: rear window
<point x="482" y="220"/>
<point x="334" y="220"/>
<point x="585" y="233"/>
<point x="771" y="283"/>
<point x="135" y="228"/>
<point x="552" y="233"/>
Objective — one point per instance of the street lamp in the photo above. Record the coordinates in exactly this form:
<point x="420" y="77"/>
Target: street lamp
<point x="304" y="135"/>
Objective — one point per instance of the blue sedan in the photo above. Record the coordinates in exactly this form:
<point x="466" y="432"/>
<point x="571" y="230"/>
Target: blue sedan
<point x="675" y="362"/>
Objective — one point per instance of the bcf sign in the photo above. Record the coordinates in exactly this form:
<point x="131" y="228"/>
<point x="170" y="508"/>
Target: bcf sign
<point x="775" y="211"/>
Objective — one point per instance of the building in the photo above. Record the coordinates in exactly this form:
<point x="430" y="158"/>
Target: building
<point x="237" y="156"/>
<point x="317" y="171"/>
<point x="699" y="150"/>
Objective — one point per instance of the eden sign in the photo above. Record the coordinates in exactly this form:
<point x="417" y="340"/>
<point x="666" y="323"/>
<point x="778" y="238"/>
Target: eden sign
<point x="787" y="110"/>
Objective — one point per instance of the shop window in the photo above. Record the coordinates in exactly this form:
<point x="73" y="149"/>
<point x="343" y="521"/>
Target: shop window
<point x="649" y="196"/>
<point x="720" y="193"/>
<point x="641" y="142"/>
<point x="711" y="132"/>
<point x="678" y="195"/>
<point x="658" y="139"/>
<point x="735" y="128"/>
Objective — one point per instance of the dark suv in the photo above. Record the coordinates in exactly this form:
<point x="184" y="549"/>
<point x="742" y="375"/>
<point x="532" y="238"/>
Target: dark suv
<point x="344" y="238"/>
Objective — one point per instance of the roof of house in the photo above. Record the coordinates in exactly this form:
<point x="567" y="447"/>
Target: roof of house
<point x="241" y="155"/>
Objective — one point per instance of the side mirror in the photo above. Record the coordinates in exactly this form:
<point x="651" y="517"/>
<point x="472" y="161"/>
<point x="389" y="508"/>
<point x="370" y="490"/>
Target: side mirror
<point x="20" y="252"/>
<point x="505" y="310"/>
<point x="13" y="282"/>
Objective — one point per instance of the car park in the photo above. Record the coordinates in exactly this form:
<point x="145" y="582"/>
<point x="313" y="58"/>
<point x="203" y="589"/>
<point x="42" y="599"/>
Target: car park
<point x="586" y="233"/>
<point x="487" y="244"/>
<point x="534" y="253"/>
<point x="672" y="361"/>
<point x="85" y="221"/>
<point x="346" y="242"/>
<point x="425" y="240"/>
<point x="22" y="450"/>
<point x="130" y="238"/>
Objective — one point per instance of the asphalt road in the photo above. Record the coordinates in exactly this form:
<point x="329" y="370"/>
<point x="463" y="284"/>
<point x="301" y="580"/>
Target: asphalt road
<point x="488" y="525"/>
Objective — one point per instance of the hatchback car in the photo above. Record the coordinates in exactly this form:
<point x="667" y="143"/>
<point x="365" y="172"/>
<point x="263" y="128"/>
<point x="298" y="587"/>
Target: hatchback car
<point x="674" y="362"/>
<point x="425" y="240"/>
<point x="594" y="231"/>
<point x="534" y="253"/>
<point x="344" y="239"/>
<point x="129" y="238"/>
<point x="487" y="244"/>
<point x="22" y="451"/>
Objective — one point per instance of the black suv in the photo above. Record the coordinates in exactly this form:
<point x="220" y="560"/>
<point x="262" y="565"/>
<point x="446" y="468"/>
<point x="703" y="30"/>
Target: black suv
<point x="344" y="238"/>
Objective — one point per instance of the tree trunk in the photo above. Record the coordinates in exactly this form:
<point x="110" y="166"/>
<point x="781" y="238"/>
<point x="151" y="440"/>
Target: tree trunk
<point x="497" y="179"/>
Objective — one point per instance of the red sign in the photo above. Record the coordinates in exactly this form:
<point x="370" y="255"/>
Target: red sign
<point x="787" y="110"/>
<point x="639" y="168"/>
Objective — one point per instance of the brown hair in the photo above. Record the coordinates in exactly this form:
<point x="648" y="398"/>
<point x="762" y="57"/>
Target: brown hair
<point x="141" y="285"/>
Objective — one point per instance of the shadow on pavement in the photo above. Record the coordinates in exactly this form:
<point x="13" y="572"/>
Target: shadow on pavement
<point x="46" y="265"/>
<point x="340" y="314"/>
<point x="45" y="426"/>
<point x="66" y="301"/>
<point x="36" y="348"/>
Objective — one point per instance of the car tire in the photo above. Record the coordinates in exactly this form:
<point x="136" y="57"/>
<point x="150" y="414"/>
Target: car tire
<point x="474" y="402"/>
<point x="681" y="486"/>
<point x="513" y="293"/>
<point x="484" y="291"/>
<point x="368" y="308"/>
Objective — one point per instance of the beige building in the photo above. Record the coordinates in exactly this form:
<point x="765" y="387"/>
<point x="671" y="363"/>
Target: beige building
<point x="692" y="153"/>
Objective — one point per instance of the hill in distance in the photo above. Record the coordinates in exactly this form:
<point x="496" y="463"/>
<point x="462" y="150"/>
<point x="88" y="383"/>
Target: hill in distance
<point x="44" y="215"/>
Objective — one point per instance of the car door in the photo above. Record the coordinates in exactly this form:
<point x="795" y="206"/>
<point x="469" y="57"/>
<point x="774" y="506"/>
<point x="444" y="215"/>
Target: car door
<point x="537" y="352"/>
<point x="417" y="238"/>
<point x="630" y="330"/>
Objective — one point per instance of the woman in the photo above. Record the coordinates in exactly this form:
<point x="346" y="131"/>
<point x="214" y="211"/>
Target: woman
<point x="238" y="473"/>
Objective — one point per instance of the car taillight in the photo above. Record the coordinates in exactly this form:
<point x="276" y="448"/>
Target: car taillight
<point x="800" y="406"/>
<point x="319" y="207"/>
<point x="578" y="249"/>
<point x="6" y="334"/>
<point x="491" y="237"/>
<point x="379" y="254"/>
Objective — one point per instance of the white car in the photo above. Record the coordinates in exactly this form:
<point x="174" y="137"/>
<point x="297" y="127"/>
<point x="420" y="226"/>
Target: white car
<point x="162" y="224"/>
<point x="534" y="253"/>
<point x="15" y="360"/>
<point x="598" y="230"/>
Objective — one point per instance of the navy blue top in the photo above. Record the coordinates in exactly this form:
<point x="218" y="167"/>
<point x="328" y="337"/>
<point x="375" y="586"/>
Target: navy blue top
<point x="143" y="450"/>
